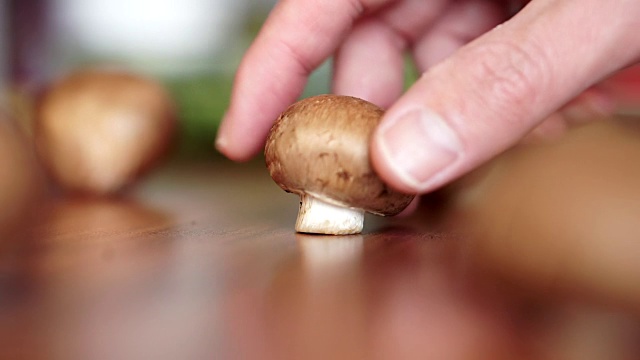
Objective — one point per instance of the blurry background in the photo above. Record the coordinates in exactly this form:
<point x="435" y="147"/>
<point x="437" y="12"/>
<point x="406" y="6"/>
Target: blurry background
<point x="193" y="46"/>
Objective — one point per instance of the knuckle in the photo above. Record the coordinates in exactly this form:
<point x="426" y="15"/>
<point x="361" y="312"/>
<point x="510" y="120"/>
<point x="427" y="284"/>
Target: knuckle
<point x="509" y="78"/>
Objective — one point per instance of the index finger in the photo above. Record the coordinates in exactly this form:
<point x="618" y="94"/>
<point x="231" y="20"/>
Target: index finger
<point x="296" y="38"/>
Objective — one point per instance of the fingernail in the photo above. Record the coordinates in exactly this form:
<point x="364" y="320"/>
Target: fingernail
<point x="419" y="146"/>
<point x="221" y="140"/>
<point x="221" y="143"/>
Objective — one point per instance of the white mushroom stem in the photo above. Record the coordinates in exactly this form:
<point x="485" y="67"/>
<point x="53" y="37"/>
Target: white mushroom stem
<point x="319" y="217"/>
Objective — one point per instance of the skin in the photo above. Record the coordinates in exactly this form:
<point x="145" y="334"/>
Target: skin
<point x="484" y="87"/>
<point x="522" y="71"/>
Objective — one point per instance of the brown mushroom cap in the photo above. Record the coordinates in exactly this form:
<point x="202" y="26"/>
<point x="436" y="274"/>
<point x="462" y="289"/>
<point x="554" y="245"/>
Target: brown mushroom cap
<point x="97" y="130"/>
<point x="320" y="146"/>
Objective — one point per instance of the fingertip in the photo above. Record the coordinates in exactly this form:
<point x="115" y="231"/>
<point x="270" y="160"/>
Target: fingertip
<point x="234" y="154"/>
<point x="410" y="209"/>
<point x="220" y="144"/>
<point x="415" y="151"/>
<point x="386" y="169"/>
<point x="228" y="145"/>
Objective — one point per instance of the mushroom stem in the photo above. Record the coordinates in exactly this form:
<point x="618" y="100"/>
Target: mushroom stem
<point x="319" y="217"/>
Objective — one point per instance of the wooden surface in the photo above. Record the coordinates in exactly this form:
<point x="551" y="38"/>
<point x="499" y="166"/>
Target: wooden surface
<point x="201" y="262"/>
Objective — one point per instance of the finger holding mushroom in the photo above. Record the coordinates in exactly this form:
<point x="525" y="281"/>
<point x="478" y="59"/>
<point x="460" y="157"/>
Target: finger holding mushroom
<point x="98" y="130"/>
<point x="319" y="149"/>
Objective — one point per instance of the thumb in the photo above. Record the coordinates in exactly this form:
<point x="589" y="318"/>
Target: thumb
<point x="490" y="93"/>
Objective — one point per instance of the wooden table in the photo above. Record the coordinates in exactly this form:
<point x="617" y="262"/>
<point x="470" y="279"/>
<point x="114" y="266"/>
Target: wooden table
<point x="201" y="261"/>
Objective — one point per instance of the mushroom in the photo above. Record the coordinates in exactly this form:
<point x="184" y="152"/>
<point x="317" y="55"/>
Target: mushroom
<point x="98" y="130"/>
<point x="319" y="149"/>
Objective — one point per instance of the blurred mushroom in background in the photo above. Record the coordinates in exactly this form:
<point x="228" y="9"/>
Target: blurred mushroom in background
<point x="191" y="46"/>
<point x="98" y="130"/>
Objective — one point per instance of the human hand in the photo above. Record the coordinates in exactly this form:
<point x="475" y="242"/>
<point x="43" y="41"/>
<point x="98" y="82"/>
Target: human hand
<point x="495" y="85"/>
